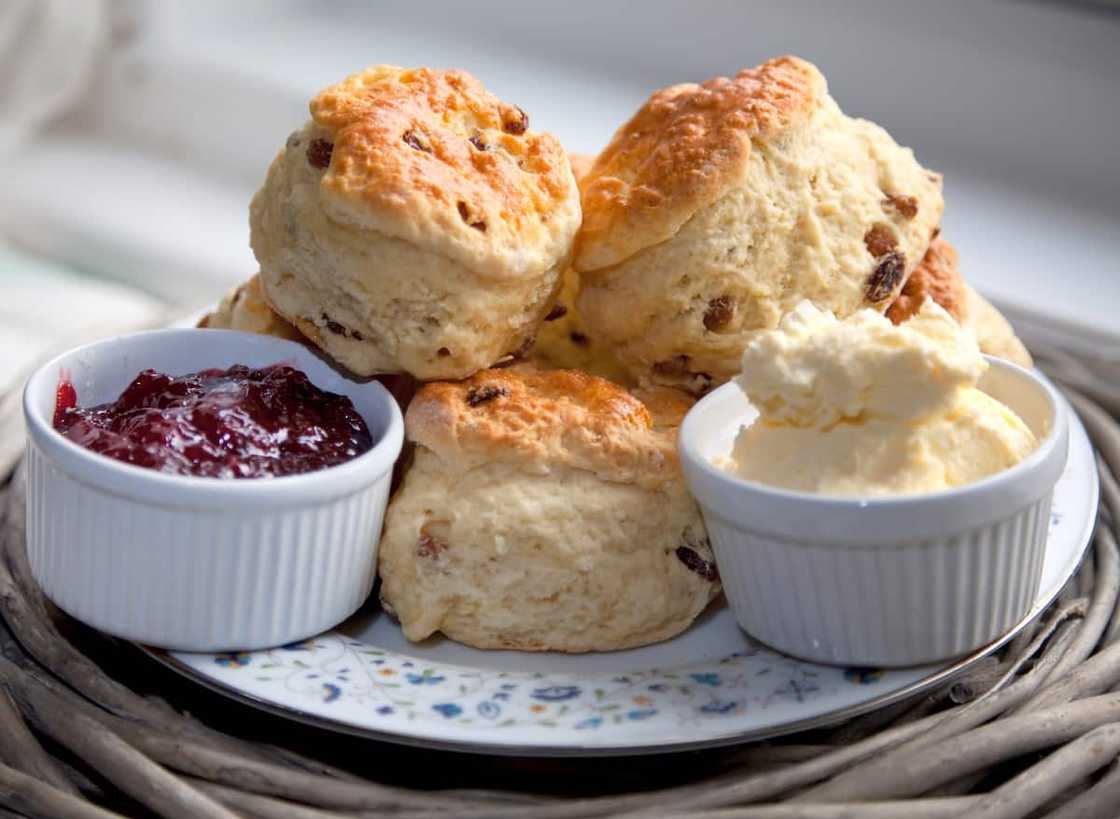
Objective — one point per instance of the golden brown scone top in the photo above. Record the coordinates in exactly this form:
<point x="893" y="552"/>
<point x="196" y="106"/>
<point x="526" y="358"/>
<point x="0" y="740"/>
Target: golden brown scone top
<point x="543" y="419"/>
<point x="938" y="277"/>
<point x="430" y="155"/>
<point x="667" y="406"/>
<point x="681" y="151"/>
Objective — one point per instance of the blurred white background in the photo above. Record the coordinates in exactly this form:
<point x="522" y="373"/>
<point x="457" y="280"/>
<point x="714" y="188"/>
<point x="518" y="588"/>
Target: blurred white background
<point x="133" y="132"/>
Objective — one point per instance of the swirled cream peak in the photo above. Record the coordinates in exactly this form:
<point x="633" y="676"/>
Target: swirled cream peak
<point x="816" y="370"/>
<point x="864" y="407"/>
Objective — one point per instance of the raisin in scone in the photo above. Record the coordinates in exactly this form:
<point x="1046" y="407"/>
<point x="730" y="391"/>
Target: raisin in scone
<point x="720" y="206"/>
<point x="416" y="224"/>
<point x="938" y="277"/>
<point x="564" y="341"/>
<point x="544" y="511"/>
<point x="245" y="308"/>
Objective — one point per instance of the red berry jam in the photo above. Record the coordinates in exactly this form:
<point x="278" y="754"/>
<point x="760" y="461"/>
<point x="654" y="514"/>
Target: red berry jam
<point x="235" y="423"/>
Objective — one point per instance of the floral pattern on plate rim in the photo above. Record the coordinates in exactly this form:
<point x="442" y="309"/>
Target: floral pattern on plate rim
<point x="333" y="668"/>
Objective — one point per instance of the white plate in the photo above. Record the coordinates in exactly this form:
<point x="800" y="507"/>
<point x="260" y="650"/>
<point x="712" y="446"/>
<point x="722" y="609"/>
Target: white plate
<point x="710" y="686"/>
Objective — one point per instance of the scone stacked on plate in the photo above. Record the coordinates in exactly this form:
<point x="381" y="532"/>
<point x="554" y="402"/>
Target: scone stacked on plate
<point x="564" y="340"/>
<point x="245" y="309"/>
<point x="711" y="212"/>
<point x="545" y="511"/>
<point x="718" y="207"/>
<point x="416" y="224"/>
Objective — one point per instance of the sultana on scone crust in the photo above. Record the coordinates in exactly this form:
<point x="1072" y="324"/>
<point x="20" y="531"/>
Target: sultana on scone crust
<point x="245" y="308"/>
<point x="544" y="511"/>
<point x="538" y="420"/>
<point x="434" y="158"/>
<point x="719" y="206"/>
<point x="415" y="224"/>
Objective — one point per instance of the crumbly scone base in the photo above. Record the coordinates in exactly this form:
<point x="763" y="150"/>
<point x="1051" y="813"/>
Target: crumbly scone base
<point x="541" y="420"/>
<point x="498" y="557"/>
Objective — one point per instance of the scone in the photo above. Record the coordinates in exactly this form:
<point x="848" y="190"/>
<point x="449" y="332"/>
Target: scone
<point x="992" y="330"/>
<point x="544" y="511"/>
<point x="581" y="164"/>
<point x="939" y="277"/>
<point x="416" y="224"/>
<point x="244" y="308"/>
<point x="720" y="206"/>
<point x="563" y="340"/>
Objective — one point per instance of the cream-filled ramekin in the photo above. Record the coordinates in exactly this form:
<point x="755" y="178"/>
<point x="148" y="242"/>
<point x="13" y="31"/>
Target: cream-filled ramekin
<point x="201" y="564"/>
<point x="885" y="581"/>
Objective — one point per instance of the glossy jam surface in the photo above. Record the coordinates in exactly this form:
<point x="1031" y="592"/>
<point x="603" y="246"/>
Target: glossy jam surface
<point x="235" y="423"/>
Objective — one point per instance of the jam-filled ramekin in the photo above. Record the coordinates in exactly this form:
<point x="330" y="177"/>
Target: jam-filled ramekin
<point x="884" y="581"/>
<point x="201" y="564"/>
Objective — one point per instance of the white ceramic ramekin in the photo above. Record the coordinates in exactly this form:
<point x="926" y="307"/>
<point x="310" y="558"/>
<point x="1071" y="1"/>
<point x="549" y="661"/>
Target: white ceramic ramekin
<point x="201" y="564"/>
<point x="881" y="581"/>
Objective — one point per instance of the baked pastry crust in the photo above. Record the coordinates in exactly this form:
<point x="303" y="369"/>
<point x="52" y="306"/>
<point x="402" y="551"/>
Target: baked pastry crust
<point x="581" y="164"/>
<point x="544" y="511"/>
<point x="937" y="277"/>
<point x="434" y="158"/>
<point x="540" y="419"/>
<point x="682" y="150"/>
<point x="415" y="225"/>
<point x="718" y="207"/>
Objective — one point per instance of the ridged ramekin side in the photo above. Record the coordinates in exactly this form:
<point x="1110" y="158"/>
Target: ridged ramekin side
<point x="197" y="579"/>
<point x="898" y="604"/>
